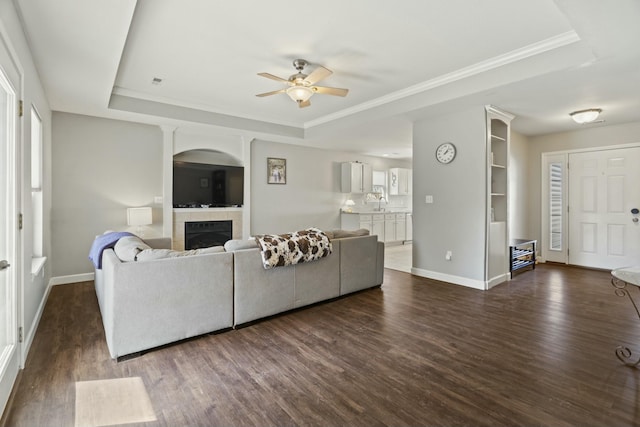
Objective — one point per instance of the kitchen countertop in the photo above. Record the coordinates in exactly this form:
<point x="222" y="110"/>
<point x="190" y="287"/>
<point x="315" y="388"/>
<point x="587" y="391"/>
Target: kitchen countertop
<point x="390" y="210"/>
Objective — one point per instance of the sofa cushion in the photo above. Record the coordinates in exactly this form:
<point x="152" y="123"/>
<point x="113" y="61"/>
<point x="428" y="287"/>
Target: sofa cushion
<point x="236" y="245"/>
<point x="151" y="254"/>
<point x="339" y="234"/>
<point x="127" y="248"/>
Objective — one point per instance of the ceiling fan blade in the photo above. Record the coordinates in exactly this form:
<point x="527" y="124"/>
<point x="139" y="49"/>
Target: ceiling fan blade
<point x="272" y="93"/>
<point x="318" y="74"/>
<point x="304" y="104"/>
<point x="272" y="77"/>
<point x="331" y="91"/>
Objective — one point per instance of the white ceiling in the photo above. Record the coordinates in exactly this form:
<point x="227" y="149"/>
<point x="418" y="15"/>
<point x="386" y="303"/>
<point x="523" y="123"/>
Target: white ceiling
<point x="401" y="61"/>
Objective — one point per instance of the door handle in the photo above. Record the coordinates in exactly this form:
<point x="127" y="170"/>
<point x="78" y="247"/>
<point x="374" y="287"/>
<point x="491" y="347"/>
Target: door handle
<point x="4" y="264"/>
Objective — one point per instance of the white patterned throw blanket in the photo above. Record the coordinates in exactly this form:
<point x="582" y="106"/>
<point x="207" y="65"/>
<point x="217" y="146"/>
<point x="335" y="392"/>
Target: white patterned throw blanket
<point x="307" y="245"/>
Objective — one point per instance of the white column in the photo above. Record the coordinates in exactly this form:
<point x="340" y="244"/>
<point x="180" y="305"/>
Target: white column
<point x="168" y="133"/>
<point x="246" y="207"/>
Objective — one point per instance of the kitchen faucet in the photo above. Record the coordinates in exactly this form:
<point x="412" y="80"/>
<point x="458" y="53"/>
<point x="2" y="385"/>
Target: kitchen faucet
<point x="379" y="202"/>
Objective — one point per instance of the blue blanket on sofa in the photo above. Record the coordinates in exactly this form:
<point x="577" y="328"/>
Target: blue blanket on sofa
<point x="102" y="242"/>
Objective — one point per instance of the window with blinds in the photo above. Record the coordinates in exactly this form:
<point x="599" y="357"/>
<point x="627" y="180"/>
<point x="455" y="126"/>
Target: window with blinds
<point x="555" y="206"/>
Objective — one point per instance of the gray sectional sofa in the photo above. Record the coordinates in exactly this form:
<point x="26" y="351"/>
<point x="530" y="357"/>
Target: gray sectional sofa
<point x="146" y="304"/>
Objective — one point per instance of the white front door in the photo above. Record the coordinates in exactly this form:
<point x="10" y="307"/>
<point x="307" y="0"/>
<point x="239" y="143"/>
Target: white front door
<point x="9" y="357"/>
<point x="603" y="192"/>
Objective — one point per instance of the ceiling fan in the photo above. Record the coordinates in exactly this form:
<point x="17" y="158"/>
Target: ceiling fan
<point x="302" y="86"/>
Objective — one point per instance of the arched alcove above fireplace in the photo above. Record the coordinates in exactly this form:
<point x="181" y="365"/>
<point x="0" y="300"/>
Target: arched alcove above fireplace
<point x="206" y="148"/>
<point x="207" y="179"/>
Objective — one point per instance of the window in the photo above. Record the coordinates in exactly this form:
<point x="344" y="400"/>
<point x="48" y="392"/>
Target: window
<point x="555" y="206"/>
<point x="380" y="183"/>
<point x="36" y="183"/>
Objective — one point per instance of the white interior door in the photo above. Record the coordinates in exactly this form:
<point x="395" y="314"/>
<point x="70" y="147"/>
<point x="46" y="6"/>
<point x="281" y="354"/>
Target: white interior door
<point x="603" y="191"/>
<point x="9" y="357"/>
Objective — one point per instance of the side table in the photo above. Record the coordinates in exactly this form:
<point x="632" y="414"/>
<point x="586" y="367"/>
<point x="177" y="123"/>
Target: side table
<point x="622" y="277"/>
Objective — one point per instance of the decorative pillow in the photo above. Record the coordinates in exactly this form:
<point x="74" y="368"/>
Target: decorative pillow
<point x="339" y="234"/>
<point x="151" y="254"/>
<point x="280" y="250"/>
<point x="236" y="245"/>
<point x="127" y="248"/>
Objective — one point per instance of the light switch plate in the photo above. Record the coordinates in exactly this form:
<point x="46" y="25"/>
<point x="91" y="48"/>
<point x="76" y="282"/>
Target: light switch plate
<point x="428" y="199"/>
<point x="157" y="200"/>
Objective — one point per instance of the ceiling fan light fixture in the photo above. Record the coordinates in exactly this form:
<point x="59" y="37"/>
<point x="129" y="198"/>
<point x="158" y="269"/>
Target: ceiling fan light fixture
<point x="585" y="116"/>
<point x="300" y="93"/>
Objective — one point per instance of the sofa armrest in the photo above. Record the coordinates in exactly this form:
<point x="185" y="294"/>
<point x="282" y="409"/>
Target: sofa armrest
<point x="358" y="263"/>
<point x="380" y="264"/>
<point x="152" y="303"/>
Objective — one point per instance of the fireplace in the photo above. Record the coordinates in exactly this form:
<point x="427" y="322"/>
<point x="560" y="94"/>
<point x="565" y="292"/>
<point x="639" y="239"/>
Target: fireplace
<point x="204" y="234"/>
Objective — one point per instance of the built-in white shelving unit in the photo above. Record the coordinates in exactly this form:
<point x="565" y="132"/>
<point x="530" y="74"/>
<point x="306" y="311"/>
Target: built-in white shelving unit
<point x="498" y="134"/>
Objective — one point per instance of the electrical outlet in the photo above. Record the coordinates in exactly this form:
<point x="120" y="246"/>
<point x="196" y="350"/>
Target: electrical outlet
<point x="157" y="200"/>
<point x="448" y="255"/>
<point x="428" y="199"/>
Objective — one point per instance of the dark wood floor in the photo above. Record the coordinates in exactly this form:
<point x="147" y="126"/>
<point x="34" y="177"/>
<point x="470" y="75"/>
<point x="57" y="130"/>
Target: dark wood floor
<point x="538" y="350"/>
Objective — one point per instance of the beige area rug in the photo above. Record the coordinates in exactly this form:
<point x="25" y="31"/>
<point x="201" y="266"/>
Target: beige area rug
<point x="110" y="402"/>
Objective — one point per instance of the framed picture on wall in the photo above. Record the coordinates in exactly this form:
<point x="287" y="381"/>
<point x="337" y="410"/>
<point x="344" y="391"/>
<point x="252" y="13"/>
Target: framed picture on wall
<point x="276" y="171"/>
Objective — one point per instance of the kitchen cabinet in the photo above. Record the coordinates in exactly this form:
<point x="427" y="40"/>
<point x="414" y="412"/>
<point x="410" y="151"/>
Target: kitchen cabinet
<point x="365" y="222"/>
<point x="355" y="221"/>
<point x="389" y="227"/>
<point x="395" y="227"/>
<point x="400" y="181"/>
<point x="356" y="177"/>
<point x="377" y="226"/>
<point x="401" y="227"/>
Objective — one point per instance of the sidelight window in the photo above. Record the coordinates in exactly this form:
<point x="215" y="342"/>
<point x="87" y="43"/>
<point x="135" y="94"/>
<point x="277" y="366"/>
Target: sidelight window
<point x="555" y="205"/>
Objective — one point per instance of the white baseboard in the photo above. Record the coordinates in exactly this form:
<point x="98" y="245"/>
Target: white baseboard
<point x="449" y="278"/>
<point x="498" y="279"/>
<point x="31" y="334"/>
<point x="73" y="278"/>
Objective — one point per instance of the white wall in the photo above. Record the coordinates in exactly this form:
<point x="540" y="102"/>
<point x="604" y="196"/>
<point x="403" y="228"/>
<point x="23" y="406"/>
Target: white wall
<point x="311" y="197"/>
<point x="455" y="220"/>
<point x="103" y="166"/>
<point x="34" y="289"/>
<point x="520" y="212"/>
<point x="589" y="137"/>
<point x="100" y="168"/>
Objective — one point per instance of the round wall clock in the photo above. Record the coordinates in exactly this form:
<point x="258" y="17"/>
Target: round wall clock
<point x="446" y="152"/>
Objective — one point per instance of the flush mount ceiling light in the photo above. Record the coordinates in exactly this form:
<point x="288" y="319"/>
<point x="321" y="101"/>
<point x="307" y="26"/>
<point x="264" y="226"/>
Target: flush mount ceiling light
<point x="585" y="116"/>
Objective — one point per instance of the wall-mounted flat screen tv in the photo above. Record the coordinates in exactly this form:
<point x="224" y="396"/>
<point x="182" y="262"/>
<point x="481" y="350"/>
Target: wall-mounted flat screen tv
<point x="200" y="185"/>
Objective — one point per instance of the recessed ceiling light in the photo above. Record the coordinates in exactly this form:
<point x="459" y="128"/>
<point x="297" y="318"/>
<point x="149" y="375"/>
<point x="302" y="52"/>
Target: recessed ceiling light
<point x="156" y="81"/>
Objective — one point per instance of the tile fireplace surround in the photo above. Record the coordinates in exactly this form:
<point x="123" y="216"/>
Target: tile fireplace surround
<point x="182" y="215"/>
